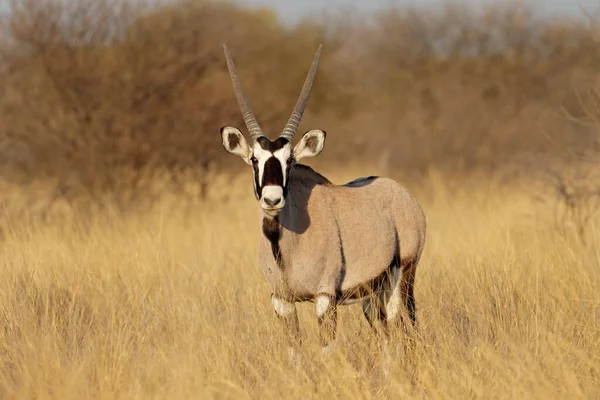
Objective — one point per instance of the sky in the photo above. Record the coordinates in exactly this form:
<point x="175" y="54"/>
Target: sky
<point x="293" y="10"/>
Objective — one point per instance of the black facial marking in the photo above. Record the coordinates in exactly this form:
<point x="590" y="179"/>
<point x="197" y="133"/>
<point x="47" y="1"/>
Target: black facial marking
<point x="272" y="231"/>
<point x="257" y="187"/>
<point x="233" y="140"/>
<point x="273" y="171"/>
<point x="272" y="174"/>
<point x="268" y="145"/>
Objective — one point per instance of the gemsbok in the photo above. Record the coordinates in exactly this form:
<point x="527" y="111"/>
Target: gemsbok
<point x="326" y="243"/>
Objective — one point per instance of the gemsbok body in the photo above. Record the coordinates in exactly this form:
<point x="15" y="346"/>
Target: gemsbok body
<point x="325" y="243"/>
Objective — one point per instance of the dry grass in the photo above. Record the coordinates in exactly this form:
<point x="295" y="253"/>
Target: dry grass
<point x="172" y="304"/>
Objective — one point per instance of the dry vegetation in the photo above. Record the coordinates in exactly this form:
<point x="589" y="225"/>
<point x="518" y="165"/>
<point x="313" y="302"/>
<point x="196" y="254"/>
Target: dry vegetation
<point x="128" y="242"/>
<point x="171" y="304"/>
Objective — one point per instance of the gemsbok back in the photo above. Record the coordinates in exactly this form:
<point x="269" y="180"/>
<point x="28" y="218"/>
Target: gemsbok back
<point x="326" y="243"/>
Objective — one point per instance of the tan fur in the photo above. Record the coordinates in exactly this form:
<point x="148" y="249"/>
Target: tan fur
<point x="338" y="240"/>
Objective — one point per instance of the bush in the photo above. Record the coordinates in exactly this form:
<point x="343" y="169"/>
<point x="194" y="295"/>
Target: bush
<point x="108" y="98"/>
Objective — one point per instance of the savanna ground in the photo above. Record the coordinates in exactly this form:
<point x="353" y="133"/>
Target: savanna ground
<point x="172" y="304"/>
<point x="128" y="235"/>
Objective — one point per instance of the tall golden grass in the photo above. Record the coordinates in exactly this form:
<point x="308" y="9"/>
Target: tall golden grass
<point x="170" y="303"/>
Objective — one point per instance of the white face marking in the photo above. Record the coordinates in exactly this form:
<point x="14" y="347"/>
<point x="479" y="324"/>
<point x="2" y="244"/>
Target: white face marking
<point x="272" y="193"/>
<point x="283" y="308"/>
<point x="282" y="155"/>
<point x="262" y="156"/>
<point x="322" y="306"/>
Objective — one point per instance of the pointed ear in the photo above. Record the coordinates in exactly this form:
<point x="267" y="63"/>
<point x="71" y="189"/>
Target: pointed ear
<point x="235" y="143"/>
<point x="310" y="145"/>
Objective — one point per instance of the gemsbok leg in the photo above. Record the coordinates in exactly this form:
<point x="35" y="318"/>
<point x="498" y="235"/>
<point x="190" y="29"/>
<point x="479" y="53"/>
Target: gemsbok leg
<point x="326" y="309"/>
<point x="407" y="294"/>
<point x="374" y="311"/>
<point x="287" y="314"/>
<point x="401" y="295"/>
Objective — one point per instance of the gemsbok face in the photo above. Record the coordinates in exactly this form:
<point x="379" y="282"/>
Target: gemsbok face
<point x="272" y="161"/>
<point x="325" y="243"/>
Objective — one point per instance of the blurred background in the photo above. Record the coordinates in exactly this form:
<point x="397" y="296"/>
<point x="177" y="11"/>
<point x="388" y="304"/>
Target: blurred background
<point x="116" y="101"/>
<point x="128" y="234"/>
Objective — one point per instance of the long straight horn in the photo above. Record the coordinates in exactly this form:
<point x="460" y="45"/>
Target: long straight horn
<point x="249" y="118"/>
<point x="294" y="121"/>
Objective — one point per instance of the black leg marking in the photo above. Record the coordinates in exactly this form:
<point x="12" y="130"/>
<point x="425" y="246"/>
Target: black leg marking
<point x="407" y="291"/>
<point x="411" y="306"/>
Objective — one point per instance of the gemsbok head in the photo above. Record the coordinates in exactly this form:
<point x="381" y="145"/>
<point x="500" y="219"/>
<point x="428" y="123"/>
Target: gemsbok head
<point x="326" y="243"/>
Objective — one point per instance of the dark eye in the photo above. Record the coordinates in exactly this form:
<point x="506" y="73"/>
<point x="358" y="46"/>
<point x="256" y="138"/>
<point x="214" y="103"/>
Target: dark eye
<point x="254" y="160"/>
<point x="289" y="160"/>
